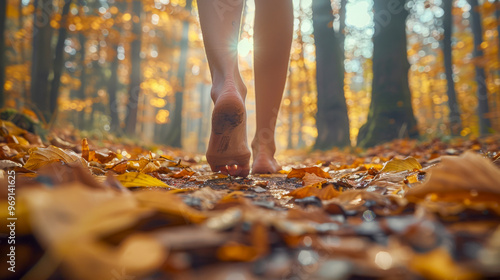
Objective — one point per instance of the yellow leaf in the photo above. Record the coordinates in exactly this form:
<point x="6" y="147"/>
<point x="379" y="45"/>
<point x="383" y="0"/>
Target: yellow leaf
<point x="170" y="204"/>
<point x="40" y="157"/>
<point x="12" y="128"/>
<point x="136" y="179"/>
<point x="398" y="165"/>
<point x="438" y="264"/>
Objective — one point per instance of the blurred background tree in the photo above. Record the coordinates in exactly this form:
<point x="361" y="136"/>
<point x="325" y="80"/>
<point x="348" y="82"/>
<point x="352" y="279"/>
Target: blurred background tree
<point x="391" y="112"/>
<point x="332" y="120"/>
<point x="137" y="69"/>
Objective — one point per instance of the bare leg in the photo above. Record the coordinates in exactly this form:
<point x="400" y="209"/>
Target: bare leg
<point x="228" y="148"/>
<point x="273" y="38"/>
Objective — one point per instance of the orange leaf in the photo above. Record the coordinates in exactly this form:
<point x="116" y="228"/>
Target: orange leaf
<point x="183" y="173"/>
<point x="328" y="192"/>
<point x="236" y="252"/>
<point x="85" y="149"/>
<point x="311" y="179"/>
<point x="311" y="190"/>
<point x="301" y="172"/>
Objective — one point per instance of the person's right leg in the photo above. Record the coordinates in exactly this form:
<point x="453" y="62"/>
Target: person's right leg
<point x="228" y="148"/>
<point x="272" y="41"/>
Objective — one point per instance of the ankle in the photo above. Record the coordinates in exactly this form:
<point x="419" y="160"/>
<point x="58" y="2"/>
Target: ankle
<point x="228" y="84"/>
<point x="260" y="146"/>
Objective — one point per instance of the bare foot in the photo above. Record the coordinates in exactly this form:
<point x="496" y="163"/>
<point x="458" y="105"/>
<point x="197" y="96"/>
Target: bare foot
<point x="263" y="158"/>
<point x="228" y="148"/>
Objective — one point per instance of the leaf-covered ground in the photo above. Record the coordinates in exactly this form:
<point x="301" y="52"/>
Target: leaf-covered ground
<point x="106" y="210"/>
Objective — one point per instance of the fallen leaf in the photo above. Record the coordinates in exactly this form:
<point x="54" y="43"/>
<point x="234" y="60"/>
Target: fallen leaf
<point x="323" y="193"/>
<point x="70" y="223"/>
<point x="183" y="173"/>
<point x="12" y="128"/>
<point x="213" y="176"/>
<point x="311" y="179"/>
<point x="58" y="142"/>
<point x="438" y="264"/>
<point x="170" y="204"/>
<point x="301" y="172"/>
<point x="469" y="172"/>
<point x="144" y="165"/>
<point x="85" y="149"/>
<point x="398" y="165"/>
<point x="311" y="190"/>
<point x="12" y="139"/>
<point x="208" y="196"/>
<point x="39" y="157"/>
<point x="136" y="179"/>
<point x="8" y="164"/>
<point x="119" y="167"/>
<point x="233" y="251"/>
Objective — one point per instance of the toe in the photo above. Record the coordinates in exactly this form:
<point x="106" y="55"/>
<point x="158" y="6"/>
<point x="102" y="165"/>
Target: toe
<point x="265" y="167"/>
<point x="234" y="170"/>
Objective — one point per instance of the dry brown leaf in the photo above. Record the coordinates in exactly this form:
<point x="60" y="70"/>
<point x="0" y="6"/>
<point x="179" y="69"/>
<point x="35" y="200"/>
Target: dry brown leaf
<point x="311" y="190"/>
<point x="213" y="176"/>
<point x="183" y="173"/>
<point x="233" y="251"/>
<point x="136" y="179"/>
<point x="39" y="157"/>
<point x="301" y="172"/>
<point x="70" y="222"/>
<point x="323" y="193"/>
<point x="8" y="164"/>
<point x="208" y="196"/>
<point x="58" y="142"/>
<point x="119" y="167"/>
<point x="144" y="165"/>
<point x="355" y="199"/>
<point x="311" y="179"/>
<point x="469" y="172"/>
<point x="398" y="165"/>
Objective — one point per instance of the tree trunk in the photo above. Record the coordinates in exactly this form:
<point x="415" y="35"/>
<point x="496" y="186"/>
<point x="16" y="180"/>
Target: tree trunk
<point x="3" y="15"/>
<point x="497" y="13"/>
<point x="331" y="118"/>
<point x="482" y="90"/>
<point x="59" y="58"/>
<point x="112" y="89"/>
<point x="22" y="55"/>
<point x="174" y="137"/>
<point x="80" y="94"/>
<point x="135" y="73"/>
<point x="454" y="116"/>
<point x="391" y="113"/>
<point x="42" y="57"/>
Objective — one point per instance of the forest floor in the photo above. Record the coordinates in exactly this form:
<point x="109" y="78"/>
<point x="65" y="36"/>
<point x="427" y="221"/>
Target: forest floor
<point x="80" y="209"/>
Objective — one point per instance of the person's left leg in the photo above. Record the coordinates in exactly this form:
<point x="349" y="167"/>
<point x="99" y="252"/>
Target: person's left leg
<point x="272" y="43"/>
<point x="227" y="149"/>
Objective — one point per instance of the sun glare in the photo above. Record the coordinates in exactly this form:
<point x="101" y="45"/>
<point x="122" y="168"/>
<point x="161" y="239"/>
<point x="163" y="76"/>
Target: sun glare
<point x="358" y="14"/>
